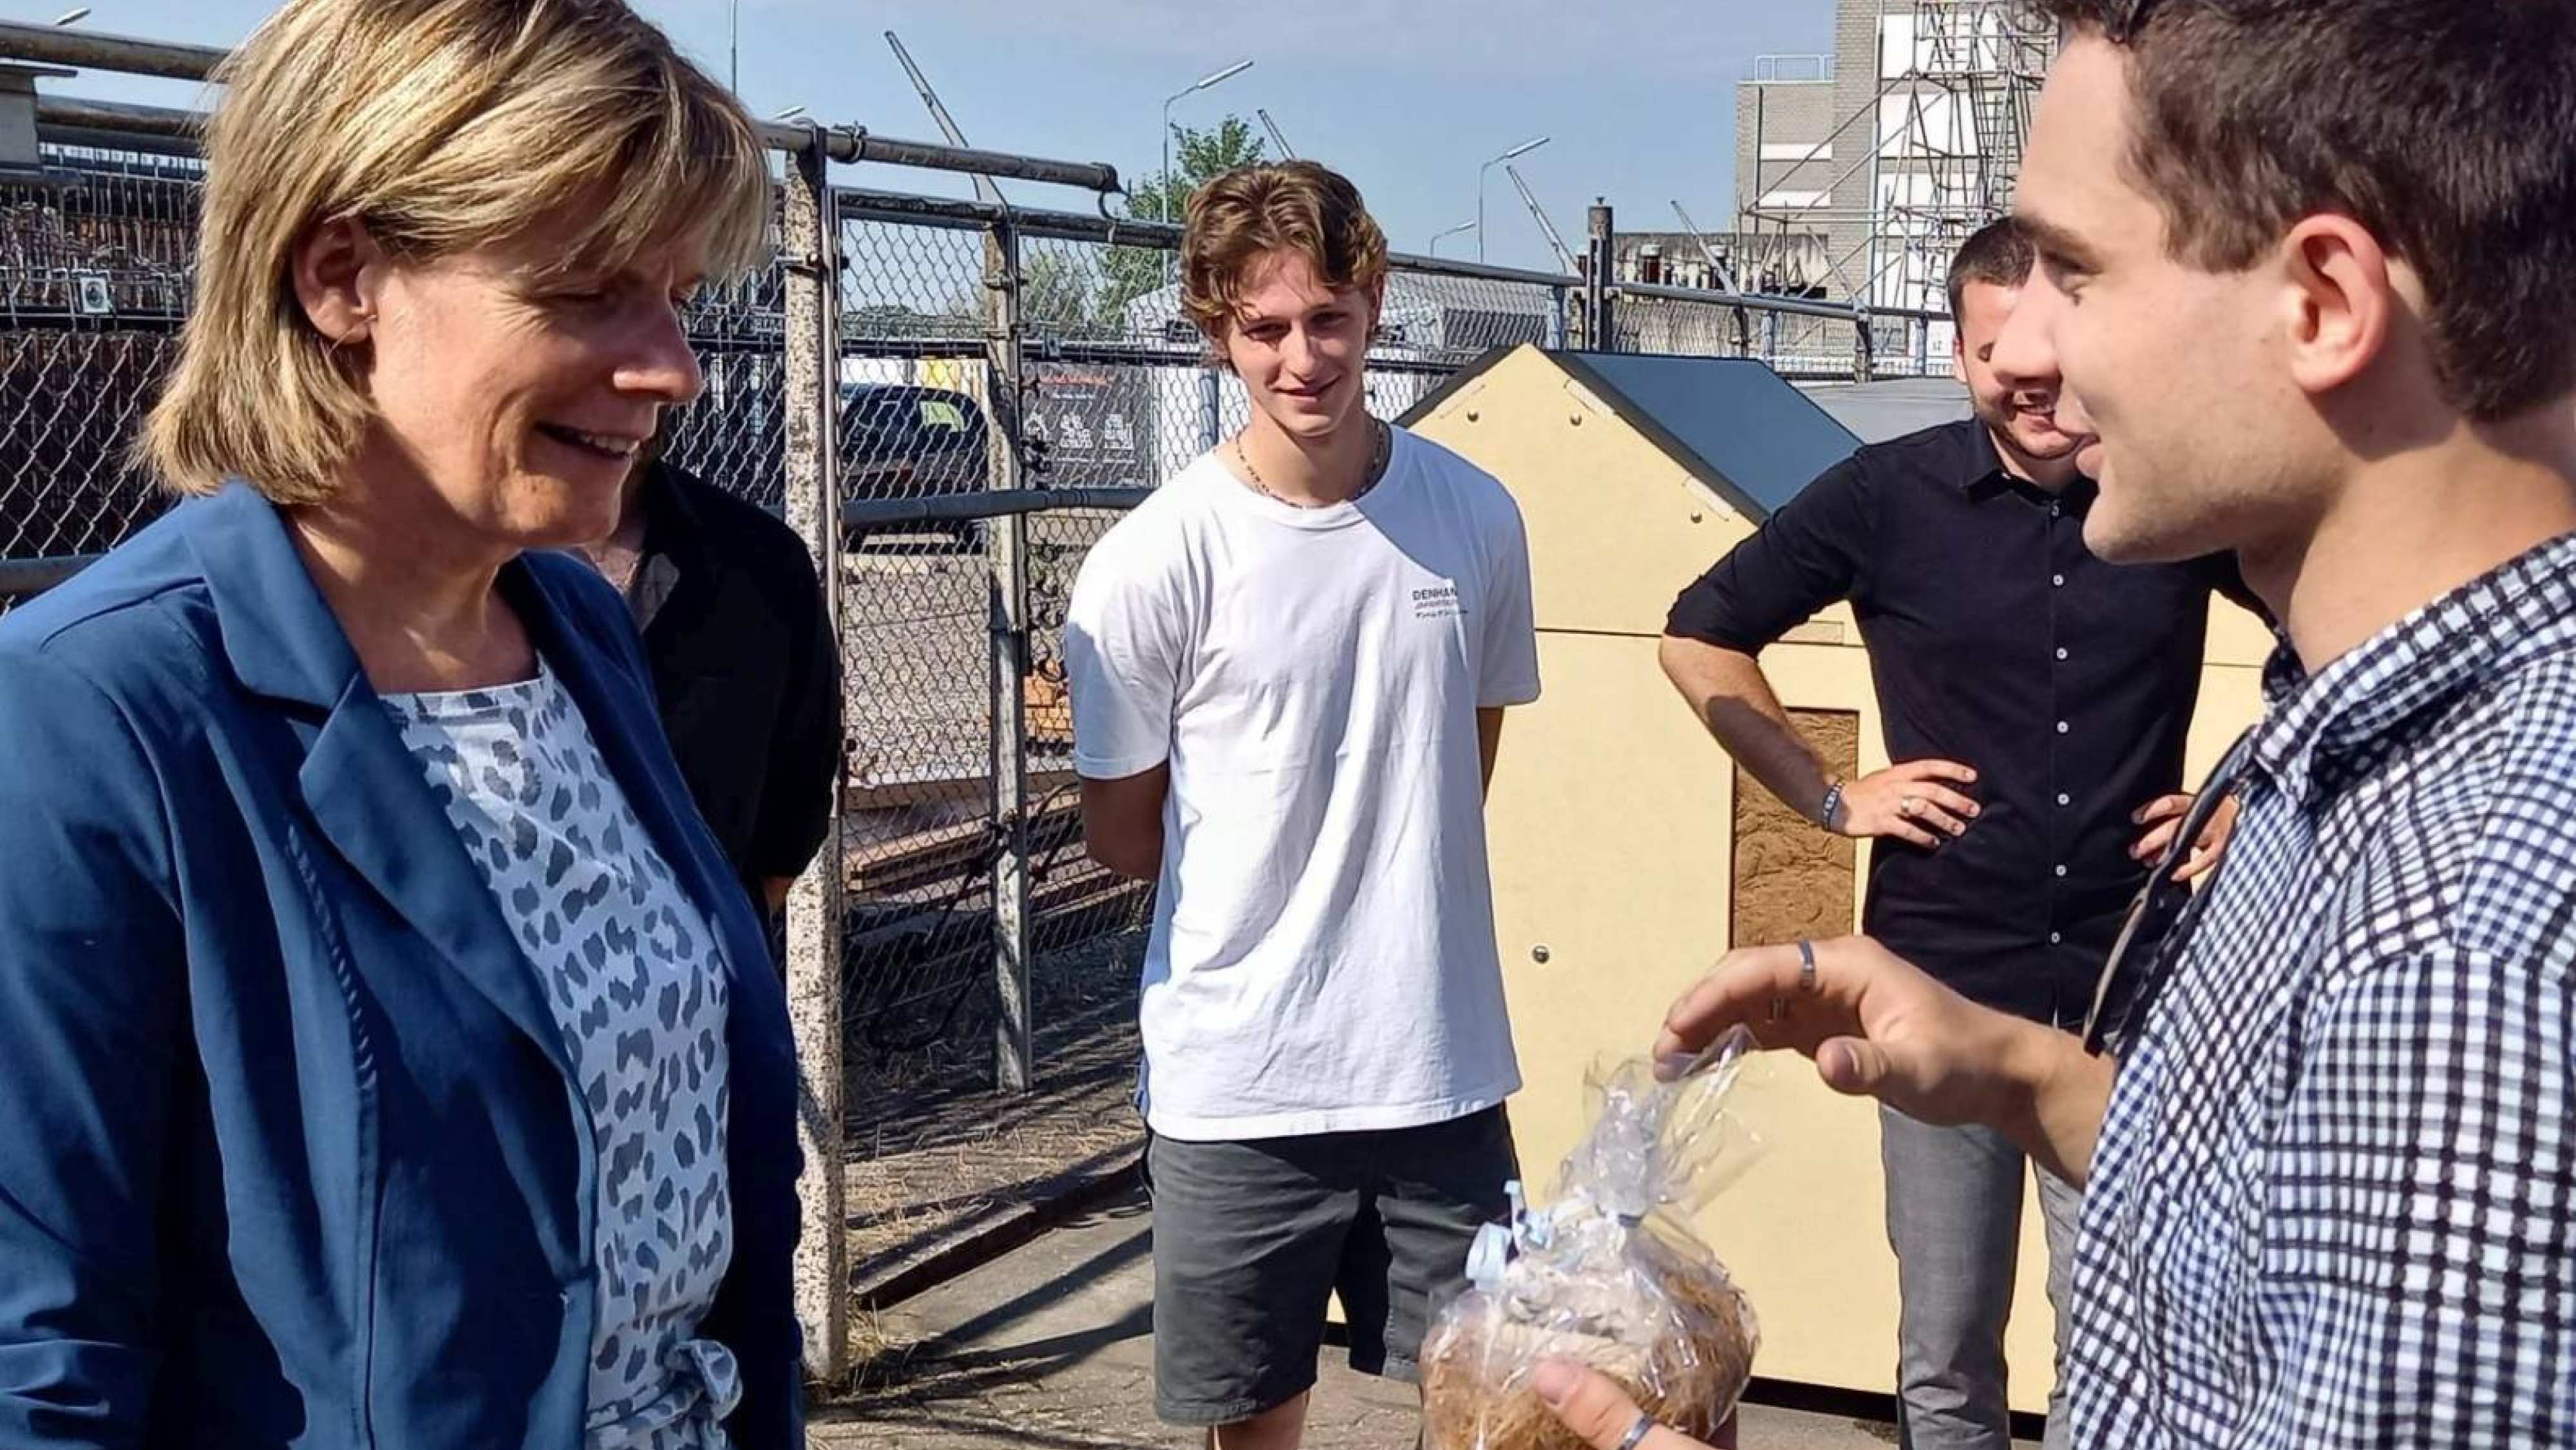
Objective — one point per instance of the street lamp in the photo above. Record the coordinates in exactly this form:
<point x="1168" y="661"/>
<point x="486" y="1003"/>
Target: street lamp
<point x="1523" y="149"/>
<point x="1163" y="203"/>
<point x="733" y="38"/>
<point x="72" y="17"/>
<point x="790" y="114"/>
<point x="1453" y="231"/>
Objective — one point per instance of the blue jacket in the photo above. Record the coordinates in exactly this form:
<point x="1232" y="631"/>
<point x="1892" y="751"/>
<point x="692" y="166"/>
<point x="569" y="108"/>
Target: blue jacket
<point x="291" y="1152"/>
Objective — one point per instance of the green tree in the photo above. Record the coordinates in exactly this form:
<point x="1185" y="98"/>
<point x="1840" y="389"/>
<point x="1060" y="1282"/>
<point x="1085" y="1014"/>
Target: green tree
<point x="1201" y="156"/>
<point x="1198" y="156"/>
<point x="1058" y="291"/>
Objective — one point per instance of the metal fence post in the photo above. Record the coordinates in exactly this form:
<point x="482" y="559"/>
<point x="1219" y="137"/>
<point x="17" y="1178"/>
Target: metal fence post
<point x="1006" y="551"/>
<point x="1211" y="408"/>
<point x="1864" y="346"/>
<point x="811" y="243"/>
<point x="1600" y="332"/>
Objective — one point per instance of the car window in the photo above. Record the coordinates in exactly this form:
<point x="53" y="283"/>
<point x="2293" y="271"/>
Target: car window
<point x="903" y="423"/>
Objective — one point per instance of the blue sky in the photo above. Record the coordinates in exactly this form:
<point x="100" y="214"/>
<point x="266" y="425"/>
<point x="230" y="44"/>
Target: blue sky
<point x="1406" y="96"/>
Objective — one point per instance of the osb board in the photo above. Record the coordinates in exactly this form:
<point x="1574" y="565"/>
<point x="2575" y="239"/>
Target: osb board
<point x="1794" y="879"/>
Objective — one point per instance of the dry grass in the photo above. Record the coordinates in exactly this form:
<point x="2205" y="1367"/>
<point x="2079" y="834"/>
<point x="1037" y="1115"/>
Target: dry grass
<point x="936" y="1151"/>
<point x="879" y="1361"/>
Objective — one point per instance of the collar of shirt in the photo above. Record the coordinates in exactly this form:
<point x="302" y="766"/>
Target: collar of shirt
<point x="672" y="529"/>
<point x="670" y="517"/>
<point x="2320" y="727"/>
<point x="1980" y="472"/>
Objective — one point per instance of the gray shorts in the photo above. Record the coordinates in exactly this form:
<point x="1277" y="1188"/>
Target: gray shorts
<point x="1251" y="1238"/>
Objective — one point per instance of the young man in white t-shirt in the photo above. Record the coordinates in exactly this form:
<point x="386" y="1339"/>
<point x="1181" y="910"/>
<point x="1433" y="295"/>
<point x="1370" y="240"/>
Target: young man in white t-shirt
<point x="1289" y="668"/>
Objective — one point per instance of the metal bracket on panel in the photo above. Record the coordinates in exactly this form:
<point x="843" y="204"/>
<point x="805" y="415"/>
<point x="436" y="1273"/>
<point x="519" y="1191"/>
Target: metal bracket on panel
<point x="1014" y="640"/>
<point x="21" y="158"/>
<point x="1586" y="397"/>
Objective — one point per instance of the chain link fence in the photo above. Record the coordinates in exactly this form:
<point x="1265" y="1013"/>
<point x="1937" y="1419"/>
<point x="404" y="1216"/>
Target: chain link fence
<point x="94" y="269"/>
<point x="94" y="280"/>
<point x="735" y="434"/>
<point x="1117" y="393"/>
<point x="998" y="384"/>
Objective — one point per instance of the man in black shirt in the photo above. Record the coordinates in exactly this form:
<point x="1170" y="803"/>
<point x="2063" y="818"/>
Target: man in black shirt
<point x="744" y="665"/>
<point x="2036" y="702"/>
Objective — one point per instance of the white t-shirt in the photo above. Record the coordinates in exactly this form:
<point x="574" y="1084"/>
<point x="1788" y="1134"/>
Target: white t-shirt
<point x="1322" y="957"/>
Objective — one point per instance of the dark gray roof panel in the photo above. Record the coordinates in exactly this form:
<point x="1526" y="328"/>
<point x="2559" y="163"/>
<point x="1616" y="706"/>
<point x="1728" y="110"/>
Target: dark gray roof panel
<point x="1734" y="423"/>
<point x="1891" y="409"/>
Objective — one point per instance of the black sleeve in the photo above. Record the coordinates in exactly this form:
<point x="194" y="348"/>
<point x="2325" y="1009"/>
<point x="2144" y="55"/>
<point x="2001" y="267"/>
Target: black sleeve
<point x="805" y="743"/>
<point x="1810" y="555"/>
<point x="2221" y="573"/>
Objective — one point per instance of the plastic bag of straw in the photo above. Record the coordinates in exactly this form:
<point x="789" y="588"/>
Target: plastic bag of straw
<point x="1609" y="1274"/>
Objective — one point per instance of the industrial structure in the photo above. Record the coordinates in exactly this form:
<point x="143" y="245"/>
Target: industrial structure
<point x="1860" y="173"/>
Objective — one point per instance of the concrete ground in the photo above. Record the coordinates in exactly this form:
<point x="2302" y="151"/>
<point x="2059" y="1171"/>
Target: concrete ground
<point x="1052" y="1346"/>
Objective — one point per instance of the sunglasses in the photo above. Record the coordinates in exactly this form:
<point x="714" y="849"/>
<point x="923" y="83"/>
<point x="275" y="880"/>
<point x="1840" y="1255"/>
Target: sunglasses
<point x="2156" y="895"/>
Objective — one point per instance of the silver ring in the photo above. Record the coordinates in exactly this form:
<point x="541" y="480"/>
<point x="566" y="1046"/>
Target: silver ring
<point x="1910" y="807"/>
<point x="1806" y="965"/>
<point x="1645" y="1426"/>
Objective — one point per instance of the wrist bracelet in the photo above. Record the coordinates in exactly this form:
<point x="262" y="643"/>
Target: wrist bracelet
<point x="1833" y="803"/>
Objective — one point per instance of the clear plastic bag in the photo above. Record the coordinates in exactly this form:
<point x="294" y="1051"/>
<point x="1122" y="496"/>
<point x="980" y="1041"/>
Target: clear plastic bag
<point x="1609" y="1275"/>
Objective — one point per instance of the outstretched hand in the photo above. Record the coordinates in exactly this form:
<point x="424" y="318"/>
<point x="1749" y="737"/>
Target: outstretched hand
<point x="1874" y="1024"/>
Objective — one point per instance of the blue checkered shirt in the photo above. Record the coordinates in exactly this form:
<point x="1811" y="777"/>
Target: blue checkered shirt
<point x="2334" y="1202"/>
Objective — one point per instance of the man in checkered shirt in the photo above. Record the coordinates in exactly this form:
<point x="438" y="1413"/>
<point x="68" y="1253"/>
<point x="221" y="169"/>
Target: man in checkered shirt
<point x="2310" y="271"/>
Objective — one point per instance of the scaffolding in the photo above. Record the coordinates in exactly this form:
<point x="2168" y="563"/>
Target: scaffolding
<point x="1955" y="153"/>
<point x="1943" y="130"/>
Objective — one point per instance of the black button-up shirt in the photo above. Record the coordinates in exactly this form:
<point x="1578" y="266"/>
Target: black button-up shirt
<point x="1997" y="641"/>
<point x="744" y="665"/>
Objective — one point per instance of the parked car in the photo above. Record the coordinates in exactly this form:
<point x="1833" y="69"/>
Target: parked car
<point x="902" y="441"/>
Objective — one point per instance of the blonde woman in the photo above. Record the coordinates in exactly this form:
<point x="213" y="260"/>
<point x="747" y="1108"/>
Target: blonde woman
<point x="391" y="1058"/>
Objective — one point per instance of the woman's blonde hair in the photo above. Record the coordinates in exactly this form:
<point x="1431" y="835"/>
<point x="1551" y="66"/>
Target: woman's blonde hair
<point x="441" y="125"/>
